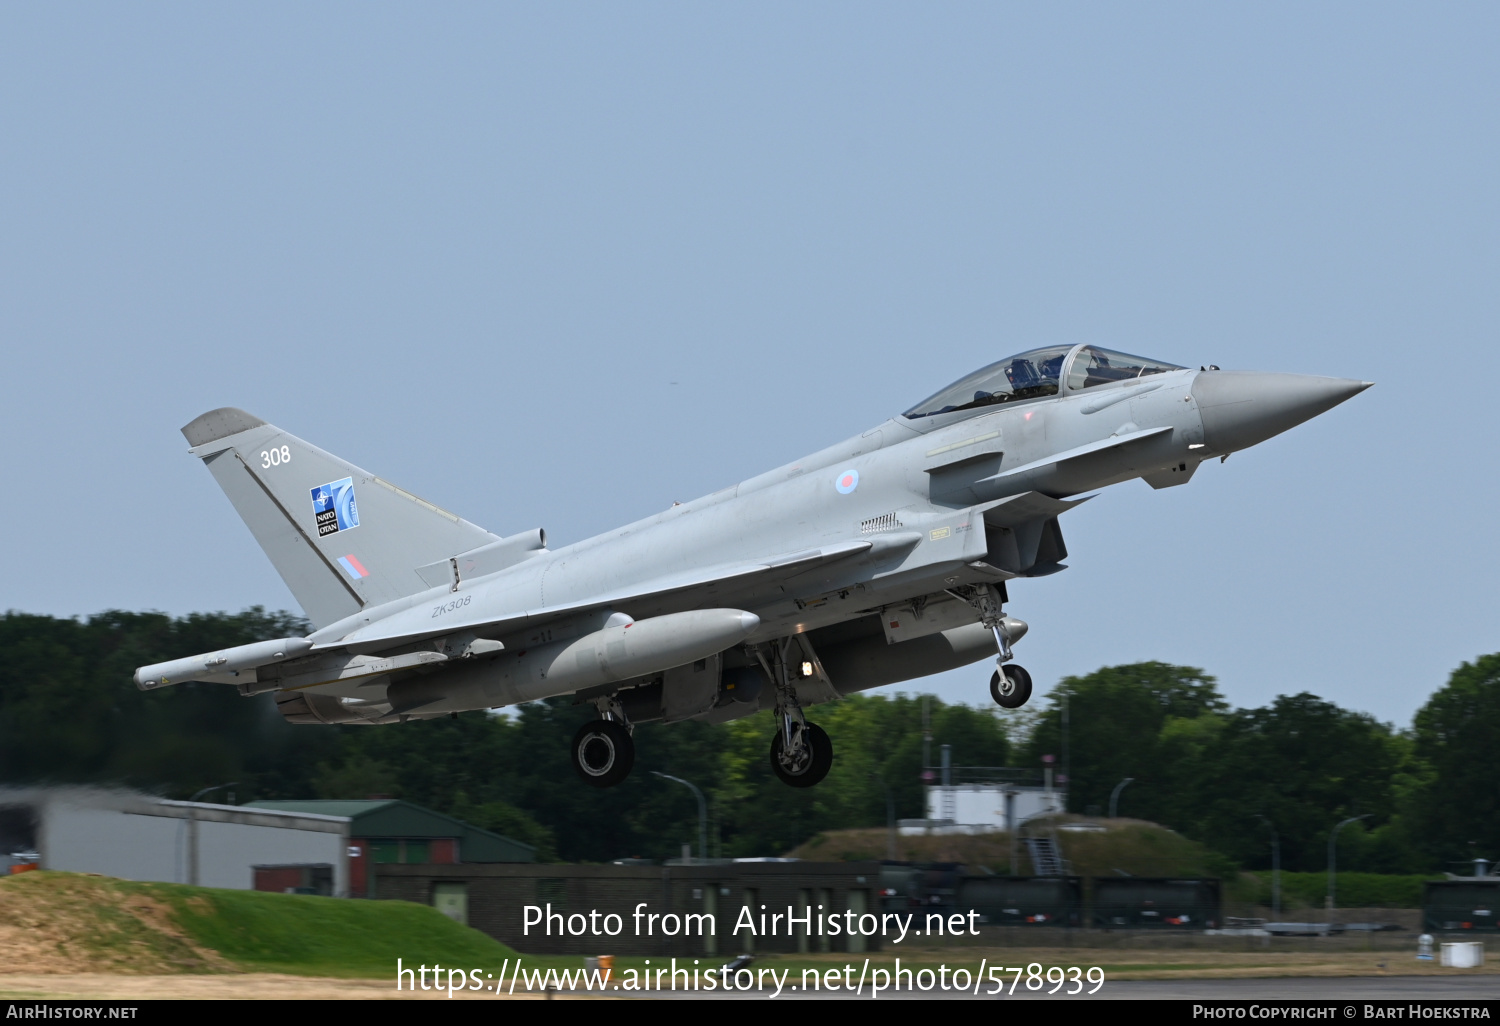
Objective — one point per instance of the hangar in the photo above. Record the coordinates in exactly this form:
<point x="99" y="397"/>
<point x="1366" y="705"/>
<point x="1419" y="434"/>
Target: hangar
<point x="138" y="836"/>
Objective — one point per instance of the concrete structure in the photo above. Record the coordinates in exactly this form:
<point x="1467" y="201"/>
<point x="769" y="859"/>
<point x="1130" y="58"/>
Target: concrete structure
<point x="1461" y="904"/>
<point x="1138" y="902"/>
<point x="494" y="899"/>
<point x="386" y="831"/>
<point x="140" y="837"/>
<point x="980" y="808"/>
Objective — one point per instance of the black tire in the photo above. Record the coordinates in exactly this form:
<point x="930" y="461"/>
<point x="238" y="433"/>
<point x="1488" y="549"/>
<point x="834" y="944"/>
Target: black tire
<point x="603" y="753"/>
<point x="813" y="769"/>
<point x="1015" y="691"/>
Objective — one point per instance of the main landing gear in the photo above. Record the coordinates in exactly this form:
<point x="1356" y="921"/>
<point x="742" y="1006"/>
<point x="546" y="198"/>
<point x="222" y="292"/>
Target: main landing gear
<point x="808" y="762"/>
<point x="603" y="751"/>
<point x="1010" y="685"/>
<point x="801" y="753"/>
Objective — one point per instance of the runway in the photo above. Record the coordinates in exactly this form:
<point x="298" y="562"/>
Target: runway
<point x="1346" y="988"/>
<point x="1270" y="989"/>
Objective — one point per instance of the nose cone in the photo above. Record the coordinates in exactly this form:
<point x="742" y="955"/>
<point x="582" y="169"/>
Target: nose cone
<point x="1241" y="408"/>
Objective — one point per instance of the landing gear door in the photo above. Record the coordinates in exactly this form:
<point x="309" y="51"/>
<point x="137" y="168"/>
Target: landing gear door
<point x="816" y="688"/>
<point x="690" y="690"/>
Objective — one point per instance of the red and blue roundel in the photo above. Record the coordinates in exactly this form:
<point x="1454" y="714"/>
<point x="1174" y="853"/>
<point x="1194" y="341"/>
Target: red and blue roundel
<point x="847" y="481"/>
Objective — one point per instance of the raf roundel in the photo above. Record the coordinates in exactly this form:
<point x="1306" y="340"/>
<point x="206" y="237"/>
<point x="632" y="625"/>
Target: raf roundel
<point x="847" y="481"/>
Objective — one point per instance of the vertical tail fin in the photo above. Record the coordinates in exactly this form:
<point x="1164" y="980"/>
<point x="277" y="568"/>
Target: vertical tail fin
<point x="340" y="537"/>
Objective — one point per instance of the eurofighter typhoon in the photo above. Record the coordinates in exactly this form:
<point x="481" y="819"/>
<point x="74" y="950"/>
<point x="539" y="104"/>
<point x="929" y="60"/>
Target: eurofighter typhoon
<point x="877" y="560"/>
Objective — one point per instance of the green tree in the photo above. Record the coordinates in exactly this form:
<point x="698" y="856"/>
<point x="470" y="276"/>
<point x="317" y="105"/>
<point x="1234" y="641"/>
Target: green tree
<point x="70" y="714"/>
<point x="504" y="818"/>
<point x="1455" y="809"/>
<point x="1115" y="719"/>
<point x="1304" y="764"/>
<point x="357" y="776"/>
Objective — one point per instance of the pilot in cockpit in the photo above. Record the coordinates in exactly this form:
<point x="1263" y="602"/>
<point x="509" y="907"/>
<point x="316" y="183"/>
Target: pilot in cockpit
<point x="1022" y="373"/>
<point x="1036" y="375"/>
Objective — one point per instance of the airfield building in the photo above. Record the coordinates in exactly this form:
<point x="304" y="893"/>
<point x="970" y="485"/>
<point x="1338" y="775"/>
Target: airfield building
<point x="393" y="832"/>
<point x="142" y="837"/>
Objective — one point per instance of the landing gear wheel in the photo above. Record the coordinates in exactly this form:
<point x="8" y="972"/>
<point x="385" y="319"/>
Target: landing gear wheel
<point x="813" y="764"/>
<point x="603" y="753"/>
<point x="1011" y="690"/>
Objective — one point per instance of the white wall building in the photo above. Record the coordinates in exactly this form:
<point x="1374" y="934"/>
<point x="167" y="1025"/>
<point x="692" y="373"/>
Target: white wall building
<point x="980" y="808"/>
<point x="141" y="837"/>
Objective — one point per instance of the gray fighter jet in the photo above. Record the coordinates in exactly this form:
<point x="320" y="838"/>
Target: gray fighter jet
<point x="877" y="560"/>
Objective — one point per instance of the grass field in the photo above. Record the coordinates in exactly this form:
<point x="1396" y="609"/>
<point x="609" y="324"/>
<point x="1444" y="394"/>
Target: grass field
<point x="75" y="923"/>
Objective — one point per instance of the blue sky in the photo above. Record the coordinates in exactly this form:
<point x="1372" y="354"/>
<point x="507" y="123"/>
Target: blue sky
<point x="560" y="265"/>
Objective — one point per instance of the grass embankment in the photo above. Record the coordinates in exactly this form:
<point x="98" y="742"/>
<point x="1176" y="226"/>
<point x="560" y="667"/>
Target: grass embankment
<point x="1133" y="846"/>
<point x="70" y="923"/>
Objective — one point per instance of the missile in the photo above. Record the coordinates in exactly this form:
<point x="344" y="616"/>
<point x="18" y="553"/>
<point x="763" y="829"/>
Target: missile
<point x="615" y="653"/>
<point x="225" y="663"/>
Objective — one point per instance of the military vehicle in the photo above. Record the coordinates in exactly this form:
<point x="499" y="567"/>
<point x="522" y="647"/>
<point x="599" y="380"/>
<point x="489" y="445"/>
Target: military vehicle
<point x="877" y="560"/>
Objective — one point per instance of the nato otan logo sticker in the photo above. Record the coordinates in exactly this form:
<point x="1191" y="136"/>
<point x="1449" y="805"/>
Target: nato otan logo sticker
<point x="847" y="481"/>
<point x="333" y="507"/>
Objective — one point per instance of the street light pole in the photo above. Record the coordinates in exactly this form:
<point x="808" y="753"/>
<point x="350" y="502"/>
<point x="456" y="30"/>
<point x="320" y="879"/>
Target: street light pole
<point x="1114" y="796"/>
<point x="890" y="817"/>
<point x="1332" y="873"/>
<point x="1066" y="762"/>
<point x="1275" y="868"/>
<point x="192" y="830"/>
<point x="702" y="813"/>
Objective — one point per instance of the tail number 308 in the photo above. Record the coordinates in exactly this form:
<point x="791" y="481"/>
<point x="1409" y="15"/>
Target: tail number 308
<point x="275" y="457"/>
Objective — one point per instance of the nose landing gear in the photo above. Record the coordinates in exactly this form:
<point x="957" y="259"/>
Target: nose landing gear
<point x="1010" y="685"/>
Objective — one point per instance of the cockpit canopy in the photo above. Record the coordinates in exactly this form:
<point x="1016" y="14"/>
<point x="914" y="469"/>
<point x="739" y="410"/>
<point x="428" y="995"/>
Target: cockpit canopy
<point x="1035" y="374"/>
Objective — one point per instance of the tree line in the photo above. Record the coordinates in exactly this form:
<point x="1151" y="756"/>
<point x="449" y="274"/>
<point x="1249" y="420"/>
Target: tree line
<point x="1226" y="777"/>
